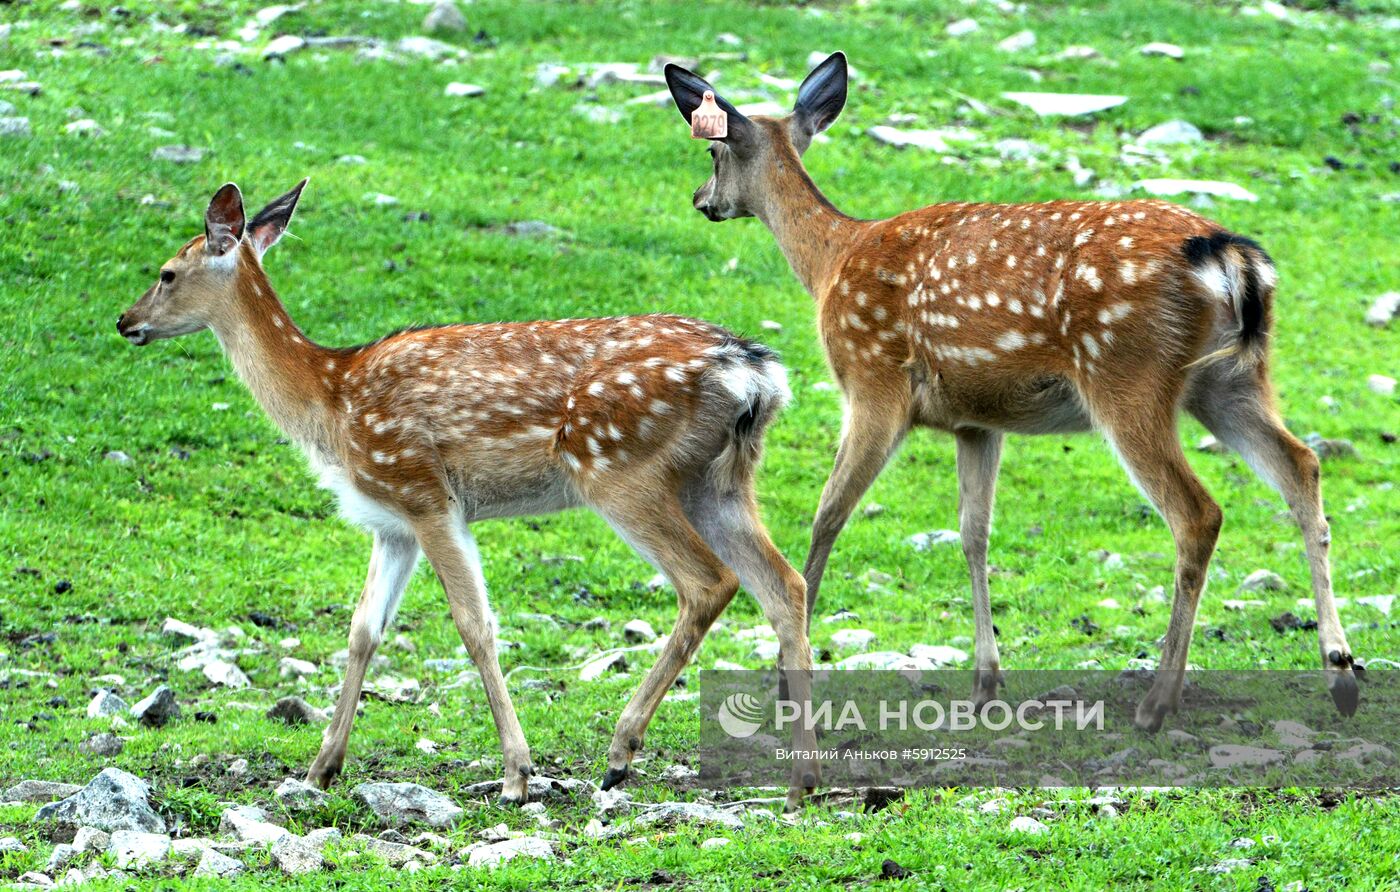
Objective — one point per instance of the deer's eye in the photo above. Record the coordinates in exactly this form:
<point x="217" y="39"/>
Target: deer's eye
<point x="167" y="276"/>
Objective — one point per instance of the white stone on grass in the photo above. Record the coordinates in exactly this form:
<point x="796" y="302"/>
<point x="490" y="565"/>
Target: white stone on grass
<point x="295" y="856"/>
<point x="134" y="848"/>
<point x="1169" y="50"/>
<point x="16" y="128"/>
<point x="939" y="654"/>
<point x="444" y="17"/>
<point x="613" y="661"/>
<point x="962" y="27"/>
<point x="216" y="865"/>
<point x="1233" y="756"/>
<point x="281" y="47"/>
<point x="1381" y="384"/>
<point x="925" y="541"/>
<point x="298" y="795"/>
<point x="1215" y="188"/>
<point x="1383" y="309"/>
<point x="1018" y="42"/>
<point x="497" y="853"/>
<point x="397" y="804"/>
<point x="467" y="90"/>
<point x="1171" y="133"/>
<point x="638" y="631"/>
<point x="1068" y="104"/>
<point x="1263" y="581"/>
<point x="919" y="139"/>
<point x="246" y="823"/>
<point x="225" y="674"/>
<point x="1029" y="825"/>
<point x="113" y="800"/>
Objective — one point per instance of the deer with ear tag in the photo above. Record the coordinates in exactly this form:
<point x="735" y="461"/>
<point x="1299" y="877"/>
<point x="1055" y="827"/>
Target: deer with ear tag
<point x="654" y="422"/>
<point x="987" y="319"/>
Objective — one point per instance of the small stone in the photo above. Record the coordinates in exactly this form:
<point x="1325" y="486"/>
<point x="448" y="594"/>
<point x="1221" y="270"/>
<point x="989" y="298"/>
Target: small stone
<point x="296" y="711"/>
<point x="1018" y="149"/>
<point x="596" y="667"/>
<point x="394" y="854"/>
<point x="962" y="27"/>
<point x="919" y="139"/>
<point x="1329" y="448"/>
<point x="1232" y="756"/>
<point x="295" y="856"/>
<point x="770" y="325"/>
<point x="1383" y="603"/>
<point x="939" y="654"/>
<point x="444" y="17"/>
<point x="639" y="631"/>
<point x="852" y="639"/>
<point x="297" y="795"/>
<point x="104" y="744"/>
<point x="16" y="128"/>
<point x="397" y="804"/>
<point x="1215" y="188"/>
<point x="90" y="839"/>
<point x="598" y="114"/>
<point x="925" y="541"/>
<point x="426" y="47"/>
<point x="465" y="90"/>
<point x="1067" y="104"/>
<point x="10" y="845"/>
<point x="1079" y="52"/>
<point x="1383" y="309"/>
<point x="1210" y="444"/>
<point x="113" y="800"/>
<point x="1171" y="133"/>
<point x="215" y="864"/>
<point x="715" y="842"/>
<point x="497" y="853"/>
<point x="158" y="708"/>
<point x="1169" y="50"/>
<point x="32" y="880"/>
<point x="237" y="768"/>
<point x="610" y="803"/>
<point x="1263" y="581"/>
<point x="39" y="791"/>
<point x="1229" y="865"/>
<point x="291" y="667"/>
<point x="1026" y="824"/>
<point x="246" y="823"/>
<point x="183" y="631"/>
<point x="379" y="199"/>
<point x="178" y="155"/>
<point x="874" y="509"/>
<point x="1381" y="384"/>
<point x="59" y="858"/>
<point x="352" y="160"/>
<point x="105" y="703"/>
<point x="282" y="47"/>
<point x="225" y="674"/>
<point x="85" y="127"/>
<point x="135" y="849"/>
<point x="1018" y="42"/>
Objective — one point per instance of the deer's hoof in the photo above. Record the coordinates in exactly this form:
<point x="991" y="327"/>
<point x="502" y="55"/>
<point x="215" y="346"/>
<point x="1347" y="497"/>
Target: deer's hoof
<point x="1345" y="694"/>
<point x="614" y="777"/>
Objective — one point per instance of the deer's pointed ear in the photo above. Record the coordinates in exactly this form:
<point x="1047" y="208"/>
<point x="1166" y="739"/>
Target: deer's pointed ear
<point x="269" y="224"/>
<point x="822" y="95"/>
<point x="223" y="221"/>
<point x="688" y="88"/>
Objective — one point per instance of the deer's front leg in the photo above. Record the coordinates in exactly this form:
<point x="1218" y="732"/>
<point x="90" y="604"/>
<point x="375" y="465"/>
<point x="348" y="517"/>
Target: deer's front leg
<point x="451" y="550"/>
<point x="390" y="567"/>
<point x="979" y="456"/>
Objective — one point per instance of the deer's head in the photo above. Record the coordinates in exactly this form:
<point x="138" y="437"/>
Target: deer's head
<point x="198" y="284"/>
<point x="756" y="147"/>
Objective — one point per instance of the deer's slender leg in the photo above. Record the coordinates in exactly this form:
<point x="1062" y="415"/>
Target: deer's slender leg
<point x="979" y="456"/>
<point x="391" y="565"/>
<point x="1238" y="408"/>
<point x="1143" y="430"/>
<point x="730" y="524"/>
<point x="873" y="432"/>
<point x="657" y="528"/>
<point x="451" y="550"/>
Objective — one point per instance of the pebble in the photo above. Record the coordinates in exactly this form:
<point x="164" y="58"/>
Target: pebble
<point x="919" y="139"/>
<point x="296" y="711"/>
<point x="497" y="853"/>
<point x="715" y="842"/>
<point x="298" y="795"/>
<point x="215" y="864"/>
<point x="158" y="708"/>
<point x="291" y="667"/>
<point x="105" y="703"/>
<point x="15" y="127"/>
<point x="852" y="639"/>
<point x="225" y="674"/>
<point x="1068" y="104"/>
<point x="770" y="325"/>
<point x="1018" y="42"/>
<point x="1381" y="384"/>
<point x="12" y="845"/>
<point x="1214" y="188"/>
<point x="460" y="89"/>
<point x="1079" y="52"/>
<point x="134" y="848"/>
<point x="294" y="856"/>
<point x="1383" y="309"/>
<point x="638" y="631"/>
<point x="925" y="541"/>
<point x="444" y="17"/>
<point x="178" y="155"/>
<point x="85" y="127"/>
<point x="1263" y="581"/>
<point x="1169" y="50"/>
<point x="939" y="654"/>
<point x="247" y="823"/>
<point x="397" y="804"/>
<point x="607" y="662"/>
<point x="962" y="27"/>
<point x="1025" y="824"/>
<point x="1171" y="133"/>
<point x="1230" y="756"/>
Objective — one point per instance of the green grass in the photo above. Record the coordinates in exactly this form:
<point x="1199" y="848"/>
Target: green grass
<point x="238" y="526"/>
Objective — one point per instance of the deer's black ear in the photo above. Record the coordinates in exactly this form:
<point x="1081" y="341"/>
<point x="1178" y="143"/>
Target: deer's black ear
<point x="223" y="221"/>
<point x="688" y="88"/>
<point x="822" y="95"/>
<point x="269" y="224"/>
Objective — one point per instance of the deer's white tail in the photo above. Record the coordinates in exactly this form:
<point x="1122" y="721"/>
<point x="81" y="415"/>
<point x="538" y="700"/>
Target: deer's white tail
<point x="1242" y="273"/>
<point x="752" y="374"/>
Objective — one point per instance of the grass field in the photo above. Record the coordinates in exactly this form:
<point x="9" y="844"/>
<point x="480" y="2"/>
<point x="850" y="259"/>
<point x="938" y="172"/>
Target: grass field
<point x="215" y="517"/>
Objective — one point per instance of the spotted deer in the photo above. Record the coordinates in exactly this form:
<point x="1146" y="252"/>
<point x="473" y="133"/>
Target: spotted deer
<point x="654" y="422"/>
<point x="987" y="319"/>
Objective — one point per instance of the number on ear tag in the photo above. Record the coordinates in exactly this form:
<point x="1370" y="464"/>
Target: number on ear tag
<point x="709" y="121"/>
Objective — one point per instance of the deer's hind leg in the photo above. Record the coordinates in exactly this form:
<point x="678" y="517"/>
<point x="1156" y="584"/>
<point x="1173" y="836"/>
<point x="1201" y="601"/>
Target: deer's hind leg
<point x="979" y="457"/>
<point x="1237" y="405"/>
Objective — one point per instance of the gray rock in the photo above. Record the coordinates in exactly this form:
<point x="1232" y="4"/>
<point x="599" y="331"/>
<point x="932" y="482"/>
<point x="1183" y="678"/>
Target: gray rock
<point x="1021" y="40"/>
<point x="396" y="854"/>
<point x="1019" y="149"/>
<point x="426" y="47"/>
<point x="1069" y="104"/>
<point x="32" y="880"/>
<point x="494" y="854"/>
<point x="319" y="839"/>
<point x="283" y="46"/>
<point x="118" y="457"/>
<point x="90" y="839"/>
<point x="39" y="791"/>
<point x="61" y="856"/>
<point x="225" y="674"/>
<point x="852" y="639"/>
<point x="1168" y="50"/>
<point x="11" y="845"/>
<point x="291" y="667"/>
<point x="158" y="708"/>
<point x="397" y="804"/>
<point x="114" y="800"/>
<point x="939" y="654"/>
<point x="135" y="849"/>
<point x="1329" y="448"/>
<point x="1385" y="308"/>
<point x="529" y="228"/>
<point x="1263" y="581"/>
<point x="541" y="788"/>
<point x="7" y="109"/>
<point x="444" y="17"/>
<point x="246" y="823"/>
<point x="105" y="744"/>
<point x="638" y="631"/>
<point x="466" y="91"/>
<point x="1029" y="825"/>
<point x="17" y="128"/>
<point x="1230" y="756"/>
<point x="609" y="803"/>
<point x="296" y="711"/>
<point x="295" y="855"/>
<point x="925" y="541"/>
<point x="297" y="795"/>
<point x="671" y="814"/>
<point x="215" y="864"/>
<point x="179" y="154"/>
<point x="1171" y="133"/>
<point x="614" y="661"/>
<point x="105" y="703"/>
<point x="183" y="631"/>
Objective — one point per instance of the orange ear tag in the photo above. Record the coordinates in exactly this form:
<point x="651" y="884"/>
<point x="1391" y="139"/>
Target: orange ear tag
<point x="708" y="121"/>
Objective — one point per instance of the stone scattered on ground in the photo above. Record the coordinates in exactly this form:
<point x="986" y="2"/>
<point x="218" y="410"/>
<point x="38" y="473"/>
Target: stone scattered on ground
<point x="1214" y="188"/>
<point x="294" y="855"/>
<point x="59" y="859"/>
<point x="638" y="631"/>
<point x="398" y="804"/>
<point x="464" y="90"/>
<point x="84" y="127"/>
<point x="715" y="842"/>
<point x="39" y="791"/>
<point x="612" y="661"/>
<point x="90" y="839"/>
<point x="113" y="800"/>
<point x="1169" y="50"/>
<point x="291" y="667"/>
<point x="158" y="708"/>
<point x="105" y="702"/>
<point x="1065" y="104"/>
<point x="939" y="654"/>
<point x="1383" y="309"/>
<point x="493" y="854"/>
<point x="1018" y="42"/>
<point x="225" y="674"/>
<point x="16" y="128"/>
<point x="217" y="865"/>
<point x="962" y="27"/>
<point x="178" y="154"/>
<point x="297" y="795"/>
<point x="10" y="845"/>
<point x="296" y="711"/>
<point x="1263" y="581"/>
<point x="886" y="659"/>
<point x="1327" y="447"/>
<point x="1381" y="384"/>
<point x="1029" y="825"/>
<point x="1231" y="756"/>
<point x="1079" y="52"/>
<point x="919" y="139"/>
<point x="247" y="823"/>
<point x="427" y="48"/>
<point x="444" y="17"/>
<point x="134" y="848"/>
<point x="1171" y="133"/>
<point x="925" y="541"/>
<point x="852" y="639"/>
<point x="183" y="631"/>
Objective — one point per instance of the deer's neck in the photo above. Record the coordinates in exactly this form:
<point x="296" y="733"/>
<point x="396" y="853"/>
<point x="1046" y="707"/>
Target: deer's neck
<point x="283" y="369"/>
<point x="813" y="235"/>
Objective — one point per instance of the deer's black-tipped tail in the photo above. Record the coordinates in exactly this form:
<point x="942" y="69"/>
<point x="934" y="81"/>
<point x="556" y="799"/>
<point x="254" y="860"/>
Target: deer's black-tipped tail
<point x="1240" y="272"/>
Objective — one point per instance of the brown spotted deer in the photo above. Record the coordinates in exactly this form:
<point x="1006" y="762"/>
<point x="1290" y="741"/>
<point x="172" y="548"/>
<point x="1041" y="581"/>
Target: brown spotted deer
<point x="987" y="319"/>
<point x="654" y="422"/>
